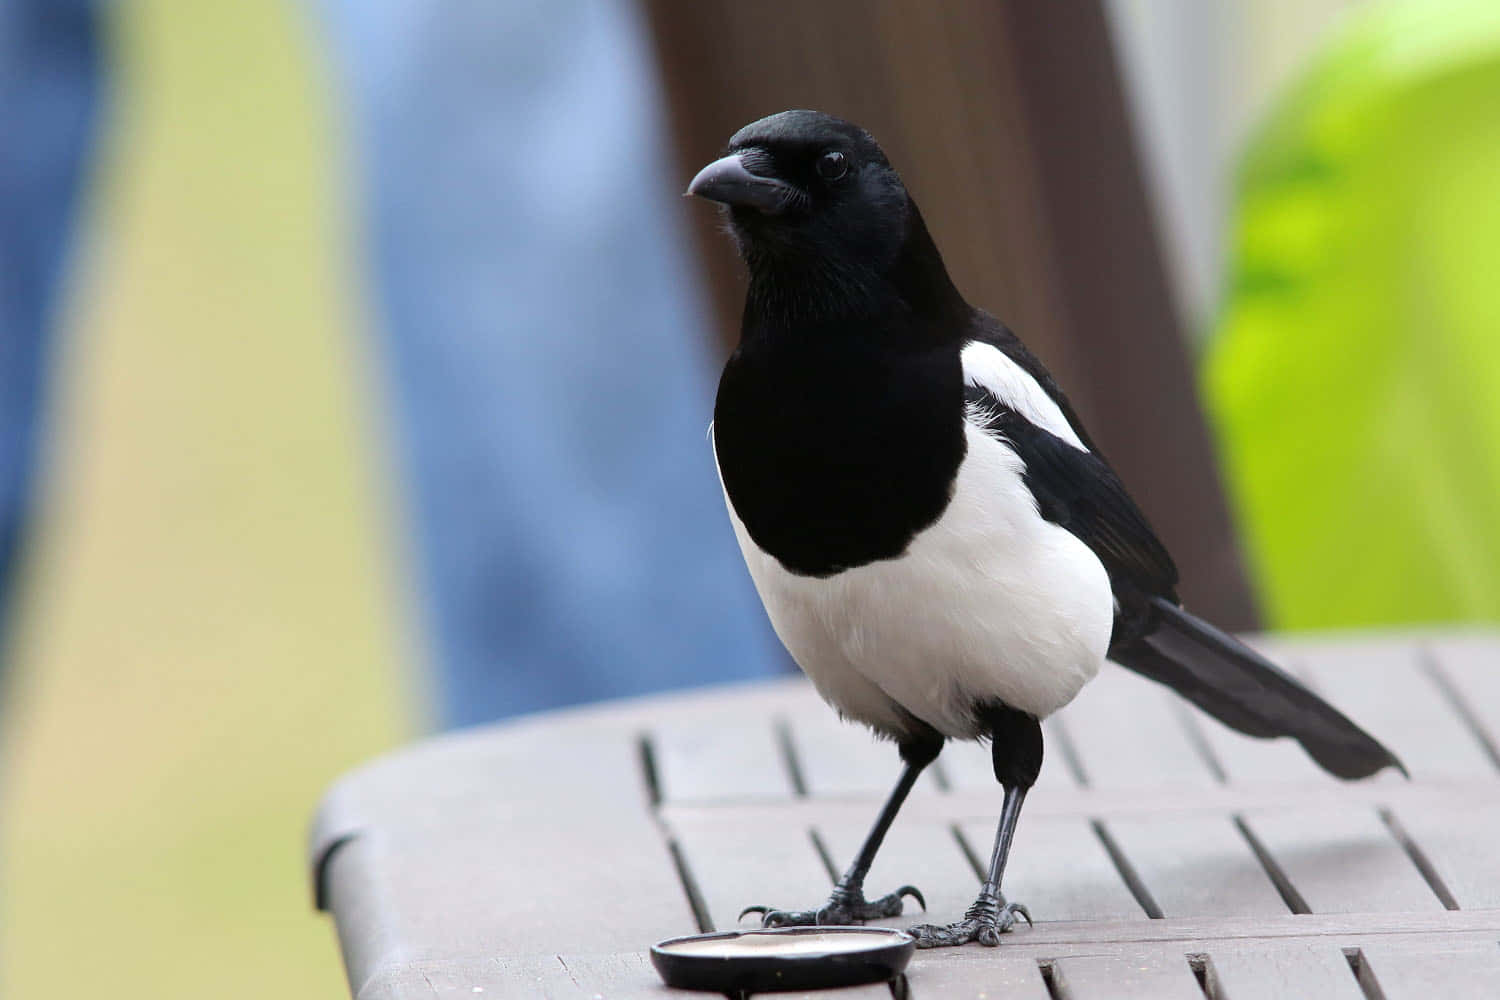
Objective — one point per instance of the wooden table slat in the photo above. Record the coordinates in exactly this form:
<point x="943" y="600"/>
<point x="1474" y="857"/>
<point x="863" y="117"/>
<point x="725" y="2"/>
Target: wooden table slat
<point x="871" y="991"/>
<point x="1382" y="686"/>
<point x="1059" y="870"/>
<point x="722" y="759"/>
<point x="1406" y="973"/>
<point x="1342" y="860"/>
<point x="841" y="758"/>
<point x="583" y="977"/>
<point x="1152" y="974"/>
<point x="1196" y="866"/>
<point x="1469" y="866"/>
<point x="967" y="767"/>
<point x="998" y="977"/>
<point x="628" y="976"/>
<point x="1127" y="733"/>
<point x="1470" y="665"/>
<point x="752" y="860"/>
<point x="1317" y="970"/>
<point x="515" y="840"/>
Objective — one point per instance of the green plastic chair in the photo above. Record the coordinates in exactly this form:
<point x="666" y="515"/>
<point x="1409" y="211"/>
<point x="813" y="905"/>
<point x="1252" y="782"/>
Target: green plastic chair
<point x="1354" y="377"/>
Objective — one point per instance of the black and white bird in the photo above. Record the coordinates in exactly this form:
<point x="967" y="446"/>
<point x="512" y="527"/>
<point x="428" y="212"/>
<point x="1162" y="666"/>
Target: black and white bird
<point x="936" y="539"/>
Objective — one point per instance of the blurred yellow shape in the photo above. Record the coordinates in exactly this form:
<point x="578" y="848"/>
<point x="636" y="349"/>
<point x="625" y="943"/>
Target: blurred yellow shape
<point x="211" y="630"/>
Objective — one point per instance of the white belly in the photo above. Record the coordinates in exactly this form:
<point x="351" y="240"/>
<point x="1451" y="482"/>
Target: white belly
<point x="992" y="602"/>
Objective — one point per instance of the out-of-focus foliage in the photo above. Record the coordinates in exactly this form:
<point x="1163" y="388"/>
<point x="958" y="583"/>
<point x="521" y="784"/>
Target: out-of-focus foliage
<point x="1355" y="376"/>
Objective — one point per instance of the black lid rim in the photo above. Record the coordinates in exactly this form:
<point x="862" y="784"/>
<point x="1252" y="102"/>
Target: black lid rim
<point x="887" y="956"/>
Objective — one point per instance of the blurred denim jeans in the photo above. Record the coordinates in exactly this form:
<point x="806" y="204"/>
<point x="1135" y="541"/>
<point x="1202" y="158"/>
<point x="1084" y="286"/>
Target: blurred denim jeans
<point x="545" y="349"/>
<point x="547" y="353"/>
<point x="50" y="69"/>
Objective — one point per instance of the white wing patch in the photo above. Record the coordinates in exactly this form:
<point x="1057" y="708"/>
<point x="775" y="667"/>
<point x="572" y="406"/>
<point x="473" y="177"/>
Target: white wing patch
<point x="987" y="367"/>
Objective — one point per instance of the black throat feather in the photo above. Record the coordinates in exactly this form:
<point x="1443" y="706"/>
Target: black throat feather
<point x="802" y="279"/>
<point x="839" y="418"/>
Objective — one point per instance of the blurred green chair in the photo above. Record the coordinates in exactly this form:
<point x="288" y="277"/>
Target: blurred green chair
<point x="1354" y="378"/>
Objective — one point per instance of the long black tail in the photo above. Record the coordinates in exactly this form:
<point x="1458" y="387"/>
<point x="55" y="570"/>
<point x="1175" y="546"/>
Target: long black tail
<point x="1245" y="691"/>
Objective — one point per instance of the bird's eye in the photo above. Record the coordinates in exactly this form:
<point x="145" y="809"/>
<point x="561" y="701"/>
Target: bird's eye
<point x="833" y="165"/>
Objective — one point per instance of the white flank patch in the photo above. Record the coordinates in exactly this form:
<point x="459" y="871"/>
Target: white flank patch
<point x="991" y="602"/>
<point x="989" y="368"/>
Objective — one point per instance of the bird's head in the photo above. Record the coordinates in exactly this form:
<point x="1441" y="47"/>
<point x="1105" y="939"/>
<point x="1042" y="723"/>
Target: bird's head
<point x="817" y="211"/>
<point x="802" y="187"/>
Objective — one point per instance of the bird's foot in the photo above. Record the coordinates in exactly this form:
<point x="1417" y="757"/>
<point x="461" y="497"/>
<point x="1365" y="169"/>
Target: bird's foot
<point x="845" y="906"/>
<point x="984" y="922"/>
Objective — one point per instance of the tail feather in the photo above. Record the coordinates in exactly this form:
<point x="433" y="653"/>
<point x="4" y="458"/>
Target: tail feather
<point x="1247" y="692"/>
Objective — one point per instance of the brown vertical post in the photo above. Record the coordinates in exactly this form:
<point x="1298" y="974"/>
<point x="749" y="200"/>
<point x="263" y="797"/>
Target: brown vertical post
<point x="1009" y="125"/>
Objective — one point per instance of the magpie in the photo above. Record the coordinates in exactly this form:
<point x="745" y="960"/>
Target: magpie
<point x="937" y="541"/>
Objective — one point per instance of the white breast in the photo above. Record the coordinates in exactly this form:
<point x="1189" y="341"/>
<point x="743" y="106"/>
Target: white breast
<point x="991" y="602"/>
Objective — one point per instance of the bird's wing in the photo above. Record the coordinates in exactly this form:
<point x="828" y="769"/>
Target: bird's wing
<point x="985" y="329"/>
<point x="1073" y="486"/>
<point x="1010" y="395"/>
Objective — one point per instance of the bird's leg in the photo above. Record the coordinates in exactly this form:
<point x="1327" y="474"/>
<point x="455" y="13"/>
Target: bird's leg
<point x="1017" y="752"/>
<point x="848" y="905"/>
<point x="991" y="915"/>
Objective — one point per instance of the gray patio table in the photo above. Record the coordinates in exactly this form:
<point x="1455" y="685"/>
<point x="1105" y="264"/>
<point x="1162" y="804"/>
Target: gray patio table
<point x="1162" y="855"/>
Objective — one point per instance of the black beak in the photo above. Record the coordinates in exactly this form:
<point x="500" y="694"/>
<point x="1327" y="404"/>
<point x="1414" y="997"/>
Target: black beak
<point x="728" y="181"/>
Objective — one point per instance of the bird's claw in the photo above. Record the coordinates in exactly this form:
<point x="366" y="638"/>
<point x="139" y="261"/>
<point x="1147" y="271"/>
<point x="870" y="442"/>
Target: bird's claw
<point x="985" y="921"/>
<point x="798" y="918"/>
<point x="914" y="893"/>
<point x="843" y="908"/>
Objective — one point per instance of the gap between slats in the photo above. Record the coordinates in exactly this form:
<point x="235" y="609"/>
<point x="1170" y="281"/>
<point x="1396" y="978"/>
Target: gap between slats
<point x="1202" y="966"/>
<point x="1128" y="874"/>
<point x="1273" y="869"/>
<point x="1069" y="751"/>
<point x="652" y="780"/>
<point x="1199" y="965"/>
<point x="1418" y="858"/>
<point x="1283" y="878"/>
<point x="1049" y="979"/>
<point x="1433" y="669"/>
<point x="789" y="760"/>
<point x="1199" y="742"/>
<point x="1362" y="974"/>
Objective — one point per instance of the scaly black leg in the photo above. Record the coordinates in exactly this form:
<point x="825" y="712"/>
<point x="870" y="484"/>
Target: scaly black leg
<point x="1017" y="751"/>
<point x="848" y="905"/>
